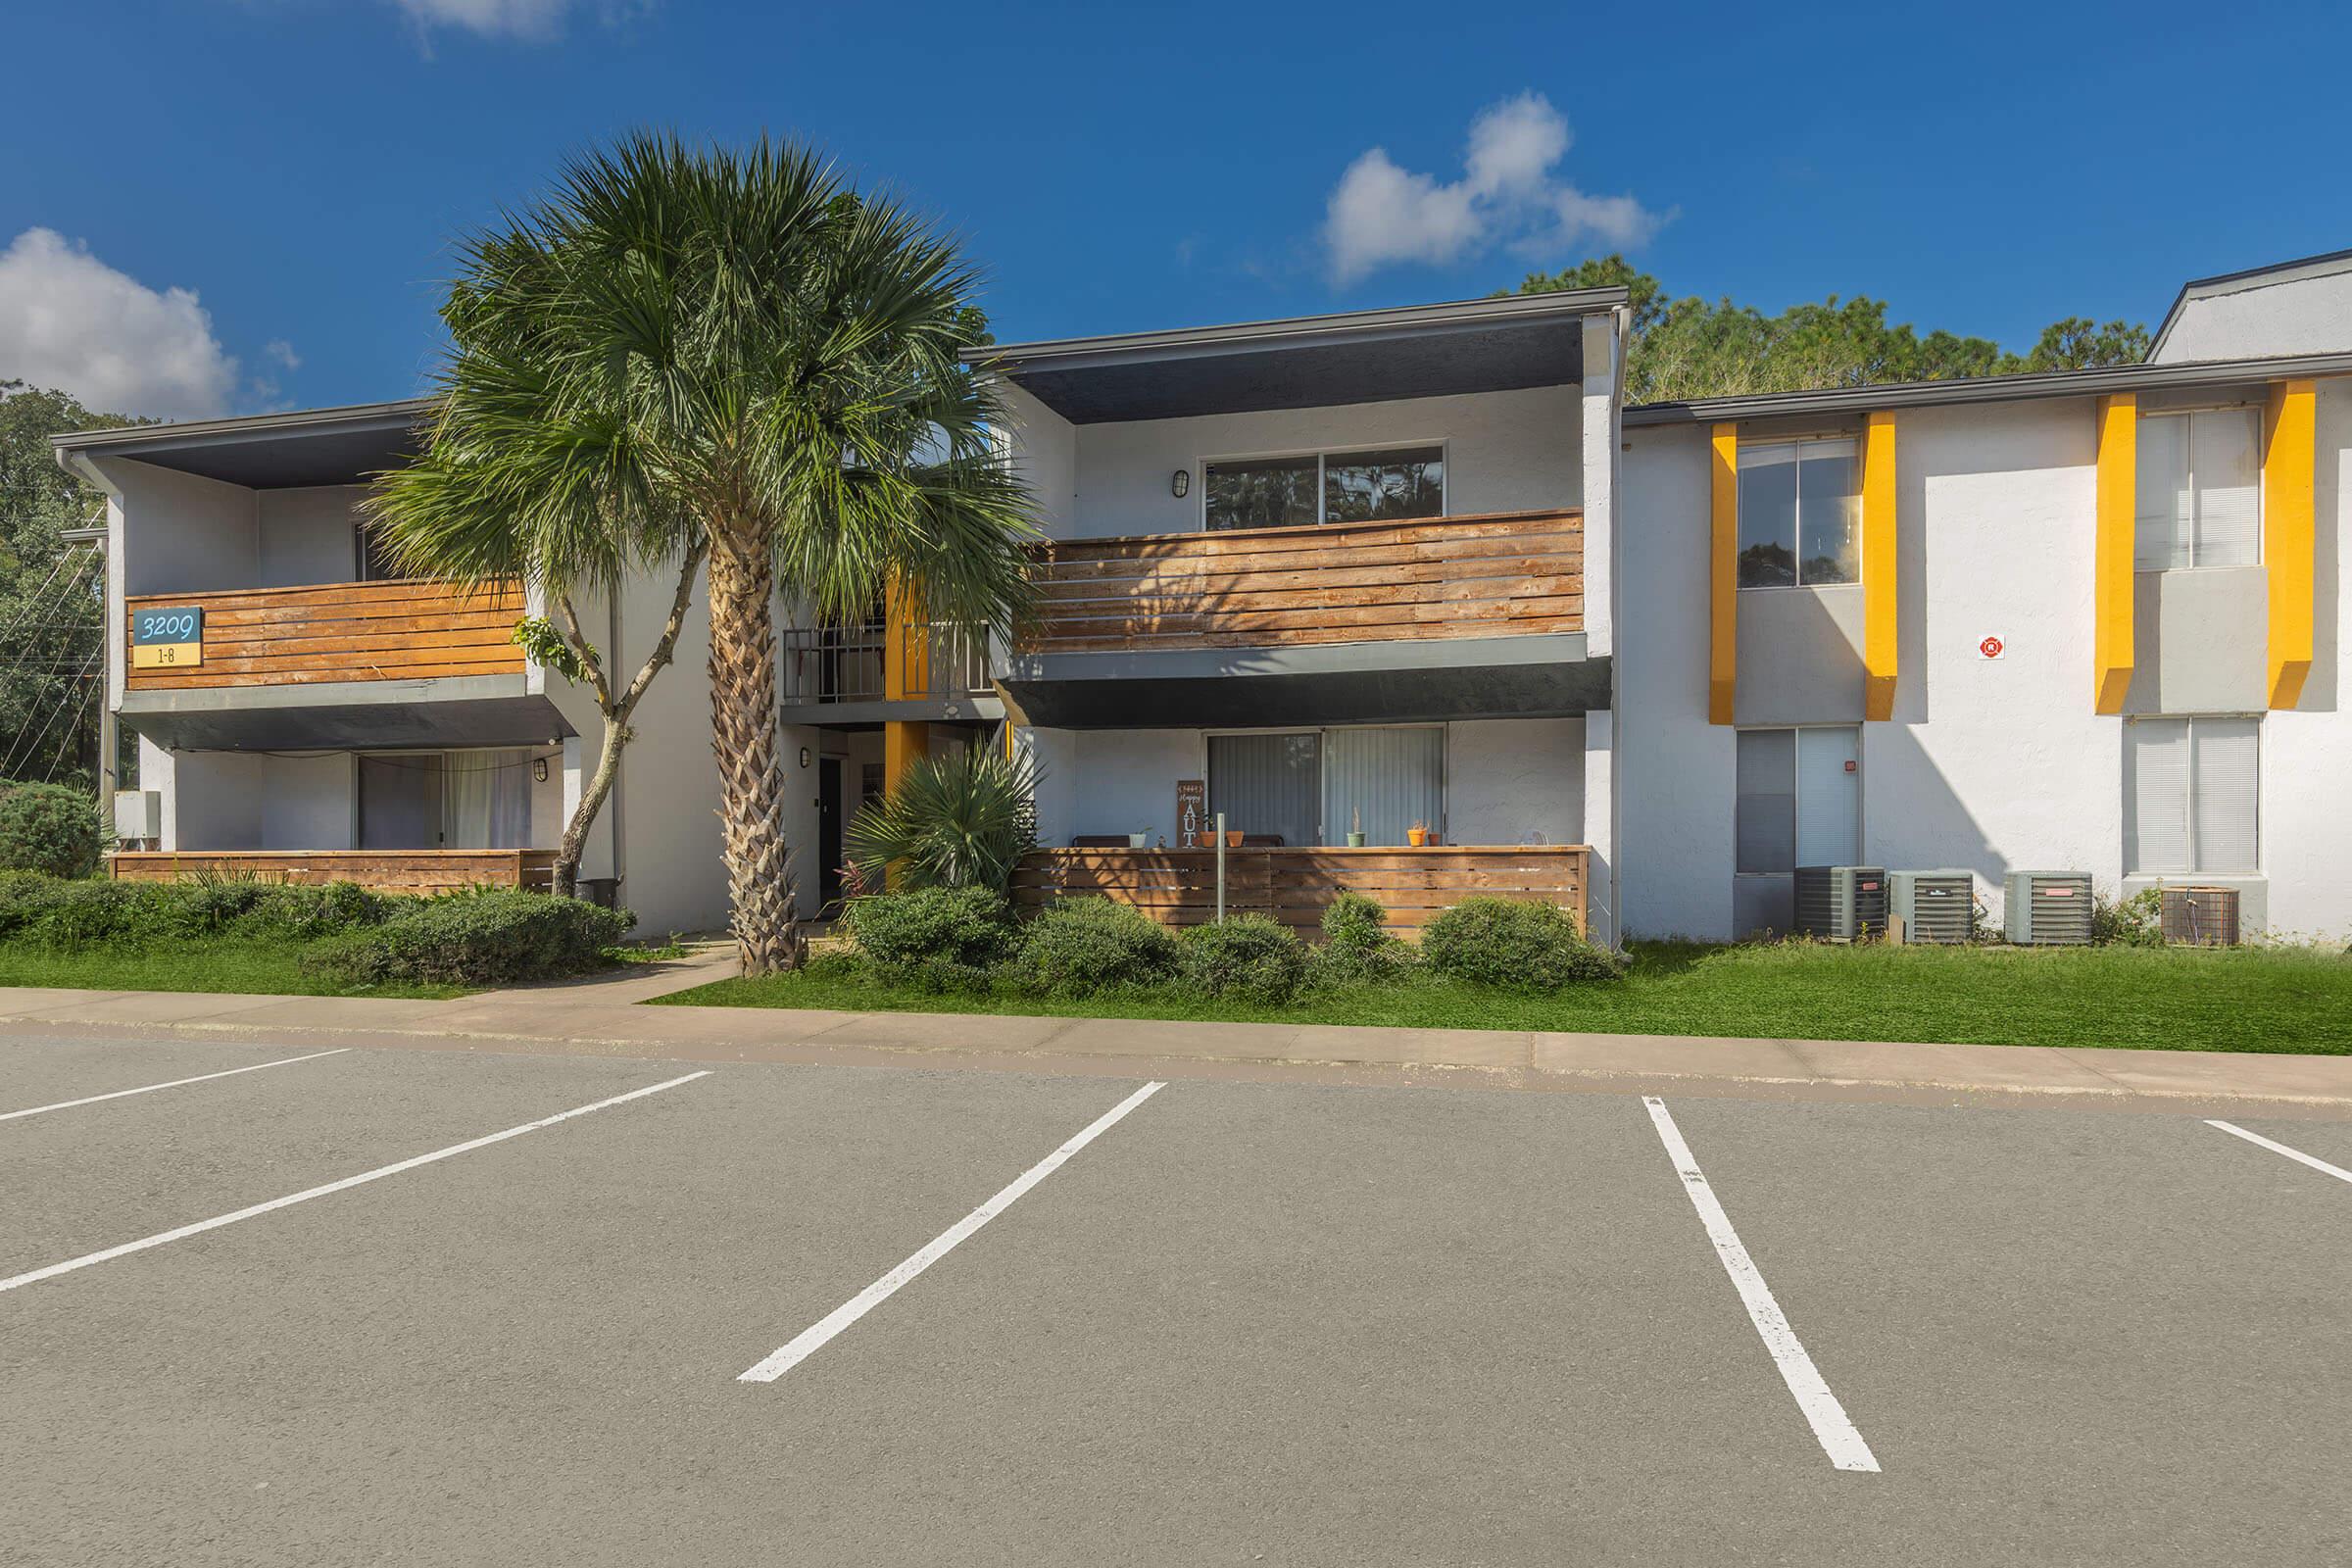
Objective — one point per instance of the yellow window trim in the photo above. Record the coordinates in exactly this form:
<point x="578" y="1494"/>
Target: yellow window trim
<point x="1723" y="577"/>
<point x="1879" y="605"/>
<point x="2118" y="479"/>
<point x="2291" y="534"/>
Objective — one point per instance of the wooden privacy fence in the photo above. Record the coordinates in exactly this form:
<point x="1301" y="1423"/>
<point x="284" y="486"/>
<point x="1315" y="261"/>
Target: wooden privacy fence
<point x="411" y="629"/>
<point x="1475" y="576"/>
<point x="1294" y="886"/>
<point x="423" y="872"/>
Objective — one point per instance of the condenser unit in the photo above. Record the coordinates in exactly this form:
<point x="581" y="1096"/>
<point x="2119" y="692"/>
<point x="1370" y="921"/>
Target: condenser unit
<point x="2048" y="909"/>
<point x="1840" y="903"/>
<point x="2196" y="916"/>
<point x="1932" y="905"/>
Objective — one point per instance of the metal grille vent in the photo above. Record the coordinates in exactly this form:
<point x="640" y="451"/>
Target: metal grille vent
<point x="1840" y="903"/>
<point x="2048" y="909"/>
<point x="1936" y="907"/>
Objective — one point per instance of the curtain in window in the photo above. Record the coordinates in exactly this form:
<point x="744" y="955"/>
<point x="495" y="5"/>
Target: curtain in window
<point x="2155" y="796"/>
<point x="1390" y="777"/>
<point x="2223" y="757"/>
<point x="2225" y="445"/>
<point x="1828" y="797"/>
<point x="1267" y="784"/>
<point x="486" y="800"/>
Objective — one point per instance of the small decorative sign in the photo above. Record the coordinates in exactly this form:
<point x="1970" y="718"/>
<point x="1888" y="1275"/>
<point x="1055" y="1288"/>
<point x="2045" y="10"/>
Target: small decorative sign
<point x="1191" y="810"/>
<point x="1992" y="648"/>
<point x="172" y="638"/>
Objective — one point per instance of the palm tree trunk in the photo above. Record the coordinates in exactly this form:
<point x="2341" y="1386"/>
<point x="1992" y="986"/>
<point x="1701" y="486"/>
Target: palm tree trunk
<point x="743" y="727"/>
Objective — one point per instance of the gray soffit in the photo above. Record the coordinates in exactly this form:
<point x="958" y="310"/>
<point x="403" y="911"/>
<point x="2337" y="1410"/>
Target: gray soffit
<point x="268" y="452"/>
<point x="979" y="706"/>
<point x="2201" y="288"/>
<point x="458" y="711"/>
<point x="1990" y="389"/>
<point x="1309" y="362"/>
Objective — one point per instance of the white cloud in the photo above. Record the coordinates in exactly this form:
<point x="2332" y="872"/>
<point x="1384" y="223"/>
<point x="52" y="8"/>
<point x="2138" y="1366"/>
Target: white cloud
<point x="69" y="320"/>
<point x="513" y="19"/>
<point x="279" y="352"/>
<point x="1380" y="214"/>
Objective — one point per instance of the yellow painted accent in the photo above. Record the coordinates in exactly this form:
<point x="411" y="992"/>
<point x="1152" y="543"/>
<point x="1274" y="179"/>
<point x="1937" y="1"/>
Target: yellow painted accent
<point x="1879" y="607"/>
<point x="905" y="650"/>
<point x="166" y="656"/>
<point x="2291" y="533"/>
<point x="903" y="741"/>
<point x="1722" y="578"/>
<point x="2118" y="479"/>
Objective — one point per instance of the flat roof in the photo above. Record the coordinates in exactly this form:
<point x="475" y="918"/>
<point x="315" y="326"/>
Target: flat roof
<point x="267" y="451"/>
<point x="1990" y="389"/>
<point x="1486" y="345"/>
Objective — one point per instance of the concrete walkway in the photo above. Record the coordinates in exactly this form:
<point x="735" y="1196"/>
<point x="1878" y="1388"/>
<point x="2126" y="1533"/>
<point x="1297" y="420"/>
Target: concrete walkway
<point x="604" y="1021"/>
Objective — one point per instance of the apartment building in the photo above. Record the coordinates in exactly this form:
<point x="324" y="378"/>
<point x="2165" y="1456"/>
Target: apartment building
<point x="1412" y="603"/>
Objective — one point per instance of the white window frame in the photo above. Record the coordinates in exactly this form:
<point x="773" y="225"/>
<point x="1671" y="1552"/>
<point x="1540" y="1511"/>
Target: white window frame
<point x="1796" y="787"/>
<point x="1322" y="456"/>
<point x="1820" y="438"/>
<point x="2190" y="827"/>
<point x="1323" y="734"/>
<point x="2195" y="501"/>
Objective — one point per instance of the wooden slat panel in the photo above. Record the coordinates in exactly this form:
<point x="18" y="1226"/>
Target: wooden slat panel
<point x="348" y="631"/>
<point x="1360" y="582"/>
<point x="421" y="871"/>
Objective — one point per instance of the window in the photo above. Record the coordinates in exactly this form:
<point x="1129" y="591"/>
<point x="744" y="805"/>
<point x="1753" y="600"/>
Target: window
<point x="2191" y="795"/>
<point x="2199" y="490"/>
<point x="1307" y="787"/>
<point x="1299" y="491"/>
<point x="1797" y="801"/>
<point x="1800" y="509"/>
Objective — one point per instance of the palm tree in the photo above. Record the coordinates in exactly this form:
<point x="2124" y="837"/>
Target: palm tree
<point x="689" y="345"/>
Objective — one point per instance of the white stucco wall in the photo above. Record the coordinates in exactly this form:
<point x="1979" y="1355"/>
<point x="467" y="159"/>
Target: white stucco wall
<point x="307" y="535"/>
<point x="1043" y="449"/>
<point x="1504" y="452"/>
<point x="2295" y="311"/>
<point x="182" y="533"/>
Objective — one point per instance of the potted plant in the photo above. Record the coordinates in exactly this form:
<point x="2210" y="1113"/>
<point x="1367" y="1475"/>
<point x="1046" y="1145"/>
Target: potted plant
<point x="1417" y="835"/>
<point x="1136" y="841"/>
<point x="1355" y="827"/>
<point x="1233" y="838"/>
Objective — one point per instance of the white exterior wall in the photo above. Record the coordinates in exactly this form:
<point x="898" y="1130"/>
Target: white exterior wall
<point x="306" y="535"/>
<point x="1504" y="452"/>
<point x="2293" y="309"/>
<point x="2307" y="753"/>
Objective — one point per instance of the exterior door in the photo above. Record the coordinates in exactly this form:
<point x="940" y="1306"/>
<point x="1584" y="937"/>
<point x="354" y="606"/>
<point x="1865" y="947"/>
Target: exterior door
<point x="828" y="830"/>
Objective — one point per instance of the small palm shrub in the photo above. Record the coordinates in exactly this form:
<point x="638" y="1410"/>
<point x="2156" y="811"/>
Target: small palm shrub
<point x="1082" y="946"/>
<point x="47" y="827"/>
<point x="1244" y="957"/>
<point x="1514" y="945"/>
<point x="962" y="819"/>
<point x="971" y="926"/>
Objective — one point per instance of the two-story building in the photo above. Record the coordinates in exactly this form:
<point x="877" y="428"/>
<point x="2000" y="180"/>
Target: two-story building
<point x="1411" y="602"/>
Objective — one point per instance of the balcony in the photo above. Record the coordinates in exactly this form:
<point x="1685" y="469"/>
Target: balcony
<point x="1294" y="886"/>
<point x="875" y="671"/>
<point x="419" y="871"/>
<point x="1450" y="617"/>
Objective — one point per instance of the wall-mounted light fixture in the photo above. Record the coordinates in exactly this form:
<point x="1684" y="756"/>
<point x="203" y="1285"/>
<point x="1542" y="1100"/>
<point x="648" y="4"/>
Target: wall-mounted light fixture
<point x="803" y="757"/>
<point x="1180" y="484"/>
<point x="539" y="769"/>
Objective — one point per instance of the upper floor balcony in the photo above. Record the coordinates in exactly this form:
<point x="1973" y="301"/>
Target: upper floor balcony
<point x="400" y="629"/>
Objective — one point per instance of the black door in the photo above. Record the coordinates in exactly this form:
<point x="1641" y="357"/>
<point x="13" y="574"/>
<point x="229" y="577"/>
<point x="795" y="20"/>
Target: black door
<point x="828" y="829"/>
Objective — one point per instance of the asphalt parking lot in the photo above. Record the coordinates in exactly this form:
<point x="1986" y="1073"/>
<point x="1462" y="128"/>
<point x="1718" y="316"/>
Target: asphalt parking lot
<point x="389" y="1306"/>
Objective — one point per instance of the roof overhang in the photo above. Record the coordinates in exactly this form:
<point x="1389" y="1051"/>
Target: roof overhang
<point x="266" y="451"/>
<point x="337" y="715"/>
<point x="1418" y="351"/>
<point x="1991" y="390"/>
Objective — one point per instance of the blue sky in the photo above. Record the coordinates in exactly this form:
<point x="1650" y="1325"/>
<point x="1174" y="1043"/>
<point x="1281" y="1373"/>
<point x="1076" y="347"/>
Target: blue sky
<point x="298" y="166"/>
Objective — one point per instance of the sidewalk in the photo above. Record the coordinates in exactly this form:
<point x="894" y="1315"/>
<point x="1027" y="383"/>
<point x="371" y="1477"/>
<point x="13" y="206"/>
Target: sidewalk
<point x="604" y="1021"/>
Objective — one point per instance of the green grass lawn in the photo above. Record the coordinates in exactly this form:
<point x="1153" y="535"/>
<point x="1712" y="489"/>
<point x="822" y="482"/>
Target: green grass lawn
<point x="2279" y="998"/>
<point x="257" y="965"/>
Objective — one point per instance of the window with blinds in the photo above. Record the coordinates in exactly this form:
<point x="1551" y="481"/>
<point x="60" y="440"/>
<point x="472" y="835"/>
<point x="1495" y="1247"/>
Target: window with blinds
<point x="1307" y="787"/>
<point x="2199" y="490"/>
<point x="2191" y="796"/>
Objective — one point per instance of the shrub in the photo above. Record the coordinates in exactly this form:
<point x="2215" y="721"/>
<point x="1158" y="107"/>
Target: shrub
<point x="1355" y="921"/>
<point x="968" y="926"/>
<point x="2136" y="921"/>
<point x="1246" y="958"/>
<point x="47" y="827"/>
<point x="1514" y="945"/>
<point x="962" y="819"/>
<point x="1080" y="946"/>
<point x="77" y="914"/>
<point x="489" y="938"/>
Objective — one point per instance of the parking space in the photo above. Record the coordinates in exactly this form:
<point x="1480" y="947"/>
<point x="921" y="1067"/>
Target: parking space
<point x="1243" y="1322"/>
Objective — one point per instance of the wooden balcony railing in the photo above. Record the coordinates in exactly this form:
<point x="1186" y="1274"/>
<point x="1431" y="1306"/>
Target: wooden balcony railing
<point x="342" y="631"/>
<point x="384" y="871"/>
<point x="1479" y="576"/>
<point x="1294" y="886"/>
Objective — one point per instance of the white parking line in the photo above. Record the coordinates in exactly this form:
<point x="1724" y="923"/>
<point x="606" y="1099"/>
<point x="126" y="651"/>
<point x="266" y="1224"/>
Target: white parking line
<point x="379" y="1173"/>
<point x="149" y="1088"/>
<point x="1836" y="1433"/>
<point x="813" y="1339"/>
<point x="2296" y="1155"/>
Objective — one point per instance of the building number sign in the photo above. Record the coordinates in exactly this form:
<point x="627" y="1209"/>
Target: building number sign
<point x="170" y="638"/>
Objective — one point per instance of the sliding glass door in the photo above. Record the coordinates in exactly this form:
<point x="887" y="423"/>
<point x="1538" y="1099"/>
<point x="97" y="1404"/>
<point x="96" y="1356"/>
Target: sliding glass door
<point x="1310" y="786"/>
<point x="1268" y="785"/>
<point x="447" y="799"/>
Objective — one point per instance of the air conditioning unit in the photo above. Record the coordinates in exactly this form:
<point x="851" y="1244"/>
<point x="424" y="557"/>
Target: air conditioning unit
<point x="138" y="814"/>
<point x="1840" y="903"/>
<point x="1938" y="906"/>
<point x="2048" y="909"/>
<point x="2201" y="918"/>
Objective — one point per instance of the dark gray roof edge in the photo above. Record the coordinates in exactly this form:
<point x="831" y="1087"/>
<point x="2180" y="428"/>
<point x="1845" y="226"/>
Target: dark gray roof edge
<point x="2197" y="288"/>
<point x="1401" y="319"/>
<point x="193" y="432"/>
<point x="1991" y="388"/>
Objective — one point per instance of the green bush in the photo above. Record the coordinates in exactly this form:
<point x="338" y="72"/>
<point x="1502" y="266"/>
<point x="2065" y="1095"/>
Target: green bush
<point x="1355" y="921"/>
<point x="496" y="937"/>
<point x="2134" y="922"/>
<point x="960" y="819"/>
<point x="47" y="827"/>
<point x="967" y="926"/>
<point x="57" y="913"/>
<point x="1246" y="958"/>
<point x="1514" y="945"/>
<point x="1080" y="946"/>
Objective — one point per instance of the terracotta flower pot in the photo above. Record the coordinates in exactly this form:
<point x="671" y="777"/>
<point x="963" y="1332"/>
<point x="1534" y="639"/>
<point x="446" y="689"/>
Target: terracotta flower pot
<point x="1233" y="840"/>
<point x="1417" y="836"/>
<point x="1206" y="841"/>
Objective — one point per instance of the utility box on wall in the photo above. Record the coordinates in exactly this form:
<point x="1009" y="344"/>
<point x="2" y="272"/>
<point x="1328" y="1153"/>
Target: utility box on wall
<point x="138" y="814"/>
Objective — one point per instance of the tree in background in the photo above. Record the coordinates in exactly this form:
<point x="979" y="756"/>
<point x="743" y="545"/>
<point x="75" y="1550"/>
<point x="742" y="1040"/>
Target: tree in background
<point x="1686" y="348"/>
<point x="737" y="347"/>
<point x="52" y="644"/>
